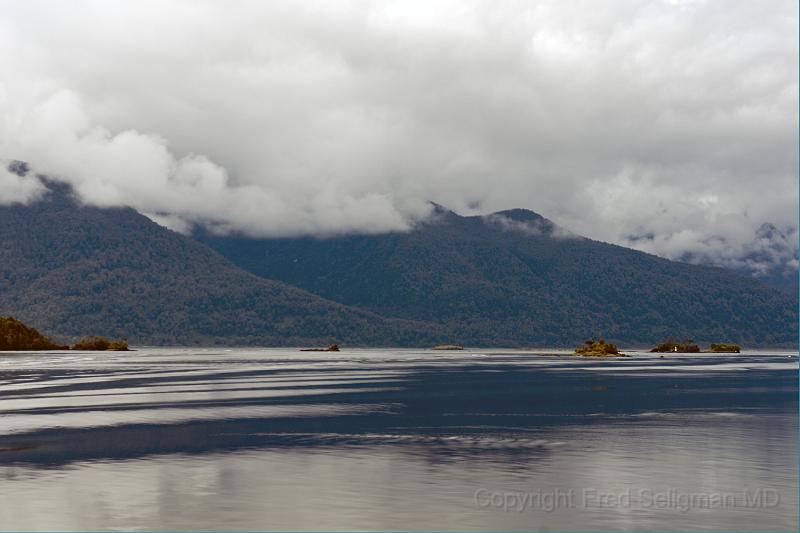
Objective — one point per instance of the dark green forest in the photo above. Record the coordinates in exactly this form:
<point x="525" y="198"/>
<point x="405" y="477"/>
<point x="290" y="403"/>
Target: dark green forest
<point x="511" y="279"/>
<point x="514" y="278"/>
<point x="75" y="271"/>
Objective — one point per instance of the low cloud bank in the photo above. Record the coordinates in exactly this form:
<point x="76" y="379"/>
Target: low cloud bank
<point x="667" y="126"/>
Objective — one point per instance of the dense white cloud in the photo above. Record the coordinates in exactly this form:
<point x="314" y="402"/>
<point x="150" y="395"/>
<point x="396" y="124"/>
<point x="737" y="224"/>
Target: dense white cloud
<point x="16" y="188"/>
<point x="669" y="126"/>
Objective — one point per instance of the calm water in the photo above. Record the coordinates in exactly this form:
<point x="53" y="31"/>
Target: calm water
<point x="254" y="439"/>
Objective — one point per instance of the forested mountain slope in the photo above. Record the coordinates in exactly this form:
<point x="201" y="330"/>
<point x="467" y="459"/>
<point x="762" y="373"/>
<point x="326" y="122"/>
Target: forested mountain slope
<point x="71" y="271"/>
<point x="515" y="278"/>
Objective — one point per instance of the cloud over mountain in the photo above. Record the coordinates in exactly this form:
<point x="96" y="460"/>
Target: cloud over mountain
<point x="668" y="126"/>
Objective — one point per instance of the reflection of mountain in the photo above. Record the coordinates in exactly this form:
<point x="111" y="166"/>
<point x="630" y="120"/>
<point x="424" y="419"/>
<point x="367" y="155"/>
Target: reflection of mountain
<point x="516" y="278"/>
<point x="505" y="408"/>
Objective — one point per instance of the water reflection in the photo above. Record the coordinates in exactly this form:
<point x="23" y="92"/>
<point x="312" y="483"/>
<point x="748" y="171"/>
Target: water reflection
<point x="173" y="439"/>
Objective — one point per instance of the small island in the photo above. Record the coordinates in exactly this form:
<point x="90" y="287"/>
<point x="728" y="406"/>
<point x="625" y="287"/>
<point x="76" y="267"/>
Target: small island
<point x="598" y="348"/>
<point x="448" y="347"/>
<point x="686" y="346"/>
<point x="14" y="335"/>
<point x="331" y="348"/>
<point x="689" y="346"/>
<point x="100" y="344"/>
<point x="725" y="348"/>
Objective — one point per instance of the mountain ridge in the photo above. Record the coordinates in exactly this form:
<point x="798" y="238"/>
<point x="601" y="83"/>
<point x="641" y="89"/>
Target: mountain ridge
<point x="514" y="277"/>
<point x="68" y="269"/>
<point x="511" y="278"/>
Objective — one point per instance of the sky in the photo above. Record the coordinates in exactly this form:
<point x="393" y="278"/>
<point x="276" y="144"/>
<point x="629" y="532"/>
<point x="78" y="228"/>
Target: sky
<point x="667" y="126"/>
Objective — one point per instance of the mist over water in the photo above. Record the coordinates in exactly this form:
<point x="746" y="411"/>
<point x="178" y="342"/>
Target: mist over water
<point x="255" y="439"/>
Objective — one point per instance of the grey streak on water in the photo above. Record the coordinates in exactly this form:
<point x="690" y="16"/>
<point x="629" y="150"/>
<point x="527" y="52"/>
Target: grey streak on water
<point x="204" y="439"/>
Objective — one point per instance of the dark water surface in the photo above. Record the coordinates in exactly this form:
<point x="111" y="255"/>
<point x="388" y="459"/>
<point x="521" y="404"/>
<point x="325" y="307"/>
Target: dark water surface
<point x="254" y="439"/>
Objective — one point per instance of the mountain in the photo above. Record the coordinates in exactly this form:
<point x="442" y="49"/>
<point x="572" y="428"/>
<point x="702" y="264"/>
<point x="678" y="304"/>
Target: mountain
<point x="512" y="278"/>
<point x="781" y="244"/>
<point x="71" y="271"/>
<point x="515" y="278"/>
<point x="771" y="258"/>
<point x="780" y="278"/>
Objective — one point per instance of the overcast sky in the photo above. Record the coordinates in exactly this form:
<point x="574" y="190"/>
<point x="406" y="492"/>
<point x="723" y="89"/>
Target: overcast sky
<point x="670" y="126"/>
